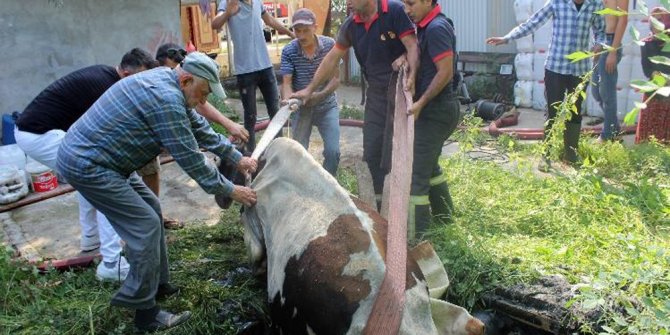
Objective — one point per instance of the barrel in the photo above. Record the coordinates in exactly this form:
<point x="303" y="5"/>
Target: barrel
<point x="489" y="110"/>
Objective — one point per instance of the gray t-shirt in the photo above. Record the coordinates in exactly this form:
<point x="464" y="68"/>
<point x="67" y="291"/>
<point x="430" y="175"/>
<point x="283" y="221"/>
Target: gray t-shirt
<point x="246" y="30"/>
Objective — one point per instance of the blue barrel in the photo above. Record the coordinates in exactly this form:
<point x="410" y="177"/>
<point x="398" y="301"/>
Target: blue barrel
<point x="8" y="129"/>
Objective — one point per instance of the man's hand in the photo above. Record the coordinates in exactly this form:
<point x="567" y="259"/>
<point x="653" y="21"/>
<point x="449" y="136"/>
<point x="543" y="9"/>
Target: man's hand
<point x="233" y="6"/>
<point x="416" y="109"/>
<point x="400" y="61"/>
<point x="244" y="195"/>
<point x="611" y="62"/>
<point x="496" y="40"/>
<point x="305" y="95"/>
<point x="247" y="166"/>
<point x="239" y="132"/>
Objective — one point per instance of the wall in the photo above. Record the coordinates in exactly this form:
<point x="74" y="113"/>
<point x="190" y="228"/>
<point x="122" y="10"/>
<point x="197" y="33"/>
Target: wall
<point x="42" y="42"/>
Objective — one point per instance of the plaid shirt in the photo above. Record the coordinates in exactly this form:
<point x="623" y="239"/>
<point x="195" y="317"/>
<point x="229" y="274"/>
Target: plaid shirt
<point x="128" y="125"/>
<point x="570" y="32"/>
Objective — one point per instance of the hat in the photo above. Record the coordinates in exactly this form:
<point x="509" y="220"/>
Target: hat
<point x="200" y="65"/>
<point x="303" y="16"/>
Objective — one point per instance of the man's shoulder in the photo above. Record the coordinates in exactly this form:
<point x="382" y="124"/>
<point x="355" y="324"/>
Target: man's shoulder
<point x="326" y="41"/>
<point x="291" y="48"/>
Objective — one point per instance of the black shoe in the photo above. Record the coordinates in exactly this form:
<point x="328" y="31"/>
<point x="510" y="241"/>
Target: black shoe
<point x="166" y="290"/>
<point x="161" y="321"/>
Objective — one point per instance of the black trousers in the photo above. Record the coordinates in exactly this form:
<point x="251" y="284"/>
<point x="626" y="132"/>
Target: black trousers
<point x="556" y="86"/>
<point x="435" y="124"/>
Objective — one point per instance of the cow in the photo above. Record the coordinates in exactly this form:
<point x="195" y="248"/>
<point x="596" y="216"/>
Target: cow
<point x="324" y="252"/>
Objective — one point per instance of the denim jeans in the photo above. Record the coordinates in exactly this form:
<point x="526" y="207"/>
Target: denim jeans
<point x="247" y="83"/>
<point x="326" y="118"/>
<point x="604" y="92"/>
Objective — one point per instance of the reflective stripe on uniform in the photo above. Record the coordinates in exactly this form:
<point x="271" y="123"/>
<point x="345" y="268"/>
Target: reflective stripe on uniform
<point x="438" y="180"/>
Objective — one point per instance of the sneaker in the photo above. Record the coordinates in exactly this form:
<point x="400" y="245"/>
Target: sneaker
<point x="118" y="272"/>
<point x="162" y="321"/>
<point x="89" y="243"/>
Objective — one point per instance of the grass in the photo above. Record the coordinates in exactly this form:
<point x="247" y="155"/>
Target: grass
<point x="604" y="226"/>
<point x="206" y="262"/>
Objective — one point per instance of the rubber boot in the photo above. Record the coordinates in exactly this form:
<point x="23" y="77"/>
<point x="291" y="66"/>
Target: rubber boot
<point x="418" y="219"/>
<point x="571" y="142"/>
<point x="441" y="205"/>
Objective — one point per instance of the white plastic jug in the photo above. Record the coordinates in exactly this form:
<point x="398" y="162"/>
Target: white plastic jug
<point x="539" y="101"/>
<point x="525" y="44"/>
<point x="523" y="63"/>
<point x="12" y="155"/>
<point x="523" y="94"/>
<point x="523" y="9"/>
<point x="13" y="184"/>
<point x="539" y="58"/>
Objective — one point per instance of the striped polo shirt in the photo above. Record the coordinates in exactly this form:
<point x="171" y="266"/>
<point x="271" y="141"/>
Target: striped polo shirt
<point x="294" y="62"/>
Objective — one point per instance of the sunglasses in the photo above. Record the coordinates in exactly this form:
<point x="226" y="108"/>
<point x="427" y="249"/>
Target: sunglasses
<point x="176" y="55"/>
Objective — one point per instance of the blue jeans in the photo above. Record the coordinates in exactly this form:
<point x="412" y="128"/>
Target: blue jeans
<point x="247" y="83"/>
<point x="326" y="118"/>
<point x="604" y="92"/>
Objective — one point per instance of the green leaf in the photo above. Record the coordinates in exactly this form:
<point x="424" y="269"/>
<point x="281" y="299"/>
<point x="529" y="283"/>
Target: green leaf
<point x="630" y="118"/>
<point x="664" y="91"/>
<point x="644" y="10"/>
<point x="609" y="330"/>
<point x="659" y="80"/>
<point x="579" y="55"/>
<point x="644" y="86"/>
<point x="612" y="11"/>
<point x="665" y="4"/>
<point x="660" y="60"/>
<point x="666" y="47"/>
<point x="658" y="25"/>
<point x="636" y="35"/>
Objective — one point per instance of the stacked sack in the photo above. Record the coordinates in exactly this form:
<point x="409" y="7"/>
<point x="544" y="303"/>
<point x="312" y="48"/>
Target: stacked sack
<point x="523" y="62"/>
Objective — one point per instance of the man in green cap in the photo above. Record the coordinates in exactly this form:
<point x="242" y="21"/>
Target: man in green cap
<point x="123" y="131"/>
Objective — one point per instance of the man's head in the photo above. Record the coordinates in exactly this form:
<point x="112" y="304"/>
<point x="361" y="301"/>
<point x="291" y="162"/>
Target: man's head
<point x="418" y="9"/>
<point x="170" y="54"/>
<point x="135" y="61"/>
<point x="304" y="25"/>
<point x="362" y="7"/>
<point x="198" y="76"/>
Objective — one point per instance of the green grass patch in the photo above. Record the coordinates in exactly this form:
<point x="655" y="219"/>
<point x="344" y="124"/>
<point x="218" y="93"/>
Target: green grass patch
<point x="604" y="227"/>
<point x="74" y="302"/>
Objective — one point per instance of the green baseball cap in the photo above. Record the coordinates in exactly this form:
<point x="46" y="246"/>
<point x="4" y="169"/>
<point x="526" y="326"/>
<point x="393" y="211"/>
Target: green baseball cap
<point x="200" y="65"/>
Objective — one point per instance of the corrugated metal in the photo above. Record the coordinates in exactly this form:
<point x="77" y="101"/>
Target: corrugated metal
<point x="476" y="20"/>
<point x="354" y="67"/>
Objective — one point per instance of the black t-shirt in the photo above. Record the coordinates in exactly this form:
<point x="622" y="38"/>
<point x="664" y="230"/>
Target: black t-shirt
<point x="60" y="104"/>
<point x="377" y="44"/>
<point x="436" y="41"/>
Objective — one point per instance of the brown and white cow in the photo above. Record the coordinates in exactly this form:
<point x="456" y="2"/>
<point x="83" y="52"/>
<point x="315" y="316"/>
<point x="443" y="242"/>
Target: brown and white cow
<point x="325" y="253"/>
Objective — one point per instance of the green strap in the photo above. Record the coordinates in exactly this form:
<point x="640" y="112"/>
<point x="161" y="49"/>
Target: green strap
<point x="438" y="180"/>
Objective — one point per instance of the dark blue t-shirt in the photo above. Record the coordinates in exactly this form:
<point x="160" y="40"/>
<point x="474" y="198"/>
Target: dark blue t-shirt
<point x="377" y="44"/>
<point x="60" y="104"/>
<point x="436" y="41"/>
